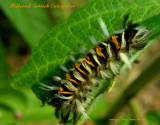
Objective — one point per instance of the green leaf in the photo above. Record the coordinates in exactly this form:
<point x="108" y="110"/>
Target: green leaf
<point x="32" y="23"/>
<point x="98" y="110"/>
<point x="64" y="38"/>
<point x="4" y="74"/>
<point x="25" y="103"/>
<point x="125" y="120"/>
<point x="153" y="118"/>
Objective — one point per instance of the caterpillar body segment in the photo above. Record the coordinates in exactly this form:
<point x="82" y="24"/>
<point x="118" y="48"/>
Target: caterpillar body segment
<point x="100" y="62"/>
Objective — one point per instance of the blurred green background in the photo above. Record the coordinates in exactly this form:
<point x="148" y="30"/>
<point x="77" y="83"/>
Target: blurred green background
<point x="21" y="29"/>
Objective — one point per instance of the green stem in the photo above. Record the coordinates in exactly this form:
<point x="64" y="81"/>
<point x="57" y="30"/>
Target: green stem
<point x="107" y="86"/>
<point x="137" y="111"/>
<point x="146" y="76"/>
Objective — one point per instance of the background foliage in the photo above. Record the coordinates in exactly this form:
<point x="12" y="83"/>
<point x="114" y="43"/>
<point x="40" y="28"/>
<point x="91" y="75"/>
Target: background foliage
<point x="21" y="40"/>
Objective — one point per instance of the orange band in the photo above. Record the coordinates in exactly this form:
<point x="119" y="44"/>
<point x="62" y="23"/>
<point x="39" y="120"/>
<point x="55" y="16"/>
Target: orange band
<point x="98" y="50"/>
<point x="68" y="77"/>
<point x="61" y="91"/>
<point x="114" y="40"/>
<point x="66" y="92"/>
<point x="77" y="65"/>
<point x="89" y="62"/>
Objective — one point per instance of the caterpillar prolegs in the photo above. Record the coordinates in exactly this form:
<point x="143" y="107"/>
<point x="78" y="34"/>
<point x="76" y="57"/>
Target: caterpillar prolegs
<point x="99" y="62"/>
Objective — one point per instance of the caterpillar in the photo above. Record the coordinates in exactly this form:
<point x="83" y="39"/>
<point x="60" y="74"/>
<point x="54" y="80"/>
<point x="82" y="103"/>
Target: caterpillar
<point x="99" y="62"/>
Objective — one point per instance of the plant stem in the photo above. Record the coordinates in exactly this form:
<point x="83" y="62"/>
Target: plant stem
<point x="146" y="76"/>
<point x="137" y="111"/>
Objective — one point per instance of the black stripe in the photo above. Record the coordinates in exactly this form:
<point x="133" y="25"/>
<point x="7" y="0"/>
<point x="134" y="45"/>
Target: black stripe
<point x="104" y="51"/>
<point x="83" y="69"/>
<point x="92" y="59"/>
<point x="72" y="77"/>
<point x="113" y="48"/>
<point x="65" y="89"/>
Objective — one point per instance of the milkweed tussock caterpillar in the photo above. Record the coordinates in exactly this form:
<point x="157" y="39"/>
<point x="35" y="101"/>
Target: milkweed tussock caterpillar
<point x="101" y="62"/>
